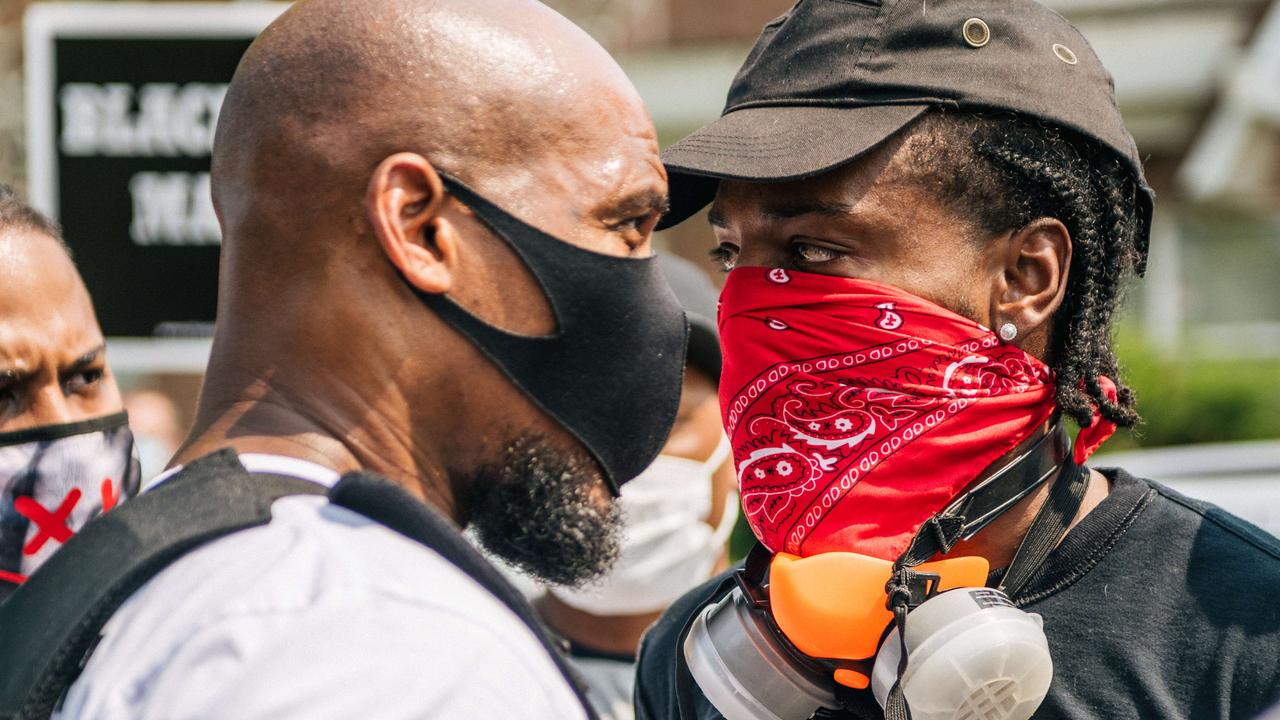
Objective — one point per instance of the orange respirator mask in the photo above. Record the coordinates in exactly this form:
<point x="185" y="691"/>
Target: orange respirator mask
<point x="790" y="635"/>
<point x="855" y="411"/>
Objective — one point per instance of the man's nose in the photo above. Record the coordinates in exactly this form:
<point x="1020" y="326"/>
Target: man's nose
<point x="640" y="248"/>
<point x="50" y="406"/>
<point x="755" y="253"/>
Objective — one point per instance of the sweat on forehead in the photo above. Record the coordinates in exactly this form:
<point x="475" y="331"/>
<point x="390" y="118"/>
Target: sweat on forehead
<point x="37" y="275"/>
<point x="42" y="298"/>
<point x="34" y="261"/>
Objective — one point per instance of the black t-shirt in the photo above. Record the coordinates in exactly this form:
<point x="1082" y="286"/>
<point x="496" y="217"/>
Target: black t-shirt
<point x="1155" y="606"/>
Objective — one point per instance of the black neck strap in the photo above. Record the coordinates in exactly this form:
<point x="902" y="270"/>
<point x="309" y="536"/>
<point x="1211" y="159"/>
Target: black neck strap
<point x="974" y="510"/>
<point x="1004" y="488"/>
<point x="49" y="433"/>
<point x="1047" y="529"/>
<point x="991" y="496"/>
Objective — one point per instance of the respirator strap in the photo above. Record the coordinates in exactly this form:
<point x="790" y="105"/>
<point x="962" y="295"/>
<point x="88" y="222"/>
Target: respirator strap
<point x="1048" y="527"/>
<point x="975" y="510"/>
<point x="895" y="706"/>
<point x="991" y="496"/>
<point x="904" y="591"/>
<point x="908" y="588"/>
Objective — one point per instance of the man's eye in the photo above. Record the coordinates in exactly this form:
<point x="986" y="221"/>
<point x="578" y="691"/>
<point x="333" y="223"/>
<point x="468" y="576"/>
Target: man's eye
<point x="629" y="225"/>
<point x="813" y="254"/>
<point x="8" y="397"/>
<point x="81" y="381"/>
<point x="726" y="256"/>
<point x="639" y="225"/>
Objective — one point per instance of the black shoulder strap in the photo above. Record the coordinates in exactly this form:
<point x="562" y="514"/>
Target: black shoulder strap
<point x="50" y="624"/>
<point x="391" y="505"/>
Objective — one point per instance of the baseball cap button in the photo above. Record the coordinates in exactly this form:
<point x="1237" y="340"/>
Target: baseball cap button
<point x="1064" y="54"/>
<point x="976" y="32"/>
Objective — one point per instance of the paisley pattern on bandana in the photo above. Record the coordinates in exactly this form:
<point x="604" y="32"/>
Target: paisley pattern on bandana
<point x="857" y="410"/>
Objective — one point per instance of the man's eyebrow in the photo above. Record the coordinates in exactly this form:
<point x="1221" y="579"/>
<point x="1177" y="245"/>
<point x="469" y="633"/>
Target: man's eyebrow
<point x="85" y="360"/>
<point x="644" y="201"/>
<point x="716" y="218"/>
<point x="787" y="210"/>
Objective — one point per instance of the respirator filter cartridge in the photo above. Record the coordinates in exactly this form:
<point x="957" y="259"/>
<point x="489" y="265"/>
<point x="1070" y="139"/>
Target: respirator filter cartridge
<point x="747" y="671"/>
<point x="971" y="655"/>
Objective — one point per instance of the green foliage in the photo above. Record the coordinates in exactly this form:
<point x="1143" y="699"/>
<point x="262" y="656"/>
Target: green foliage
<point x="741" y="539"/>
<point x="1198" y="400"/>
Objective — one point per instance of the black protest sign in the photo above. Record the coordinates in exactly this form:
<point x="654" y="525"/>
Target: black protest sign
<point x="123" y="102"/>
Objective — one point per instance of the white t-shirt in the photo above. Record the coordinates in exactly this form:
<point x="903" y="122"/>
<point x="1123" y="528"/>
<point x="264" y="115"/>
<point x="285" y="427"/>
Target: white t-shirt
<point x="321" y="613"/>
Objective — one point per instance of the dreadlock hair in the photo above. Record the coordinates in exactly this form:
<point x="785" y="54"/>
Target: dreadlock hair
<point x="17" y="214"/>
<point x="1003" y="172"/>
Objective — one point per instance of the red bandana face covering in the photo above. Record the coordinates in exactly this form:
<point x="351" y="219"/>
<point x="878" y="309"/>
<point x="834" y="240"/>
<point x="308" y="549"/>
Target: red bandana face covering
<point x="857" y="410"/>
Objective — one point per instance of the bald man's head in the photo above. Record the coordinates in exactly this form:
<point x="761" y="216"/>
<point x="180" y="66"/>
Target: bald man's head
<point x="336" y="142"/>
<point x="482" y="88"/>
<point x="505" y="95"/>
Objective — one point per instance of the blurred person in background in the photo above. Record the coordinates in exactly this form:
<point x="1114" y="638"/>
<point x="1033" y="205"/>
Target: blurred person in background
<point x="66" y="453"/>
<point x="438" y="308"/>
<point x="677" y="516"/>
<point x="928" y="220"/>
<point x="153" y="417"/>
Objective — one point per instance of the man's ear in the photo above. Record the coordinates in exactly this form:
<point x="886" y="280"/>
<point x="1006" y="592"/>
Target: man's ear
<point x="1036" y="260"/>
<point x="404" y="204"/>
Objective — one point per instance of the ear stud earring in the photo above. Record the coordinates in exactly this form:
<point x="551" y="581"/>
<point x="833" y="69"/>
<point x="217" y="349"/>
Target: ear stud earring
<point x="1008" y="331"/>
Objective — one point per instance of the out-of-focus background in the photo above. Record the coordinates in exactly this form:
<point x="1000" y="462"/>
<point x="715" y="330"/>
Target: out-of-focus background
<point x="1197" y="80"/>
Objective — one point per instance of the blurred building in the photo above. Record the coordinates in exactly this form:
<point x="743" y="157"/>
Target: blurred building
<point x="1198" y="81"/>
<point x="12" y="157"/>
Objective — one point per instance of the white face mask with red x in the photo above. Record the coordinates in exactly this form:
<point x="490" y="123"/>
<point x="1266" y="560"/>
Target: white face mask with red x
<point x="53" y="480"/>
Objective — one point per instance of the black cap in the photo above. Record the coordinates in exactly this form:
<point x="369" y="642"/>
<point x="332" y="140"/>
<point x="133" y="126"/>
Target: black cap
<point x="698" y="297"/>
<point x="832" y="79"/>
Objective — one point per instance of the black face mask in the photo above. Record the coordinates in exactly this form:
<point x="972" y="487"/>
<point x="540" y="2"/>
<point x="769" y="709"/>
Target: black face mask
<point x="611" y="374"/>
